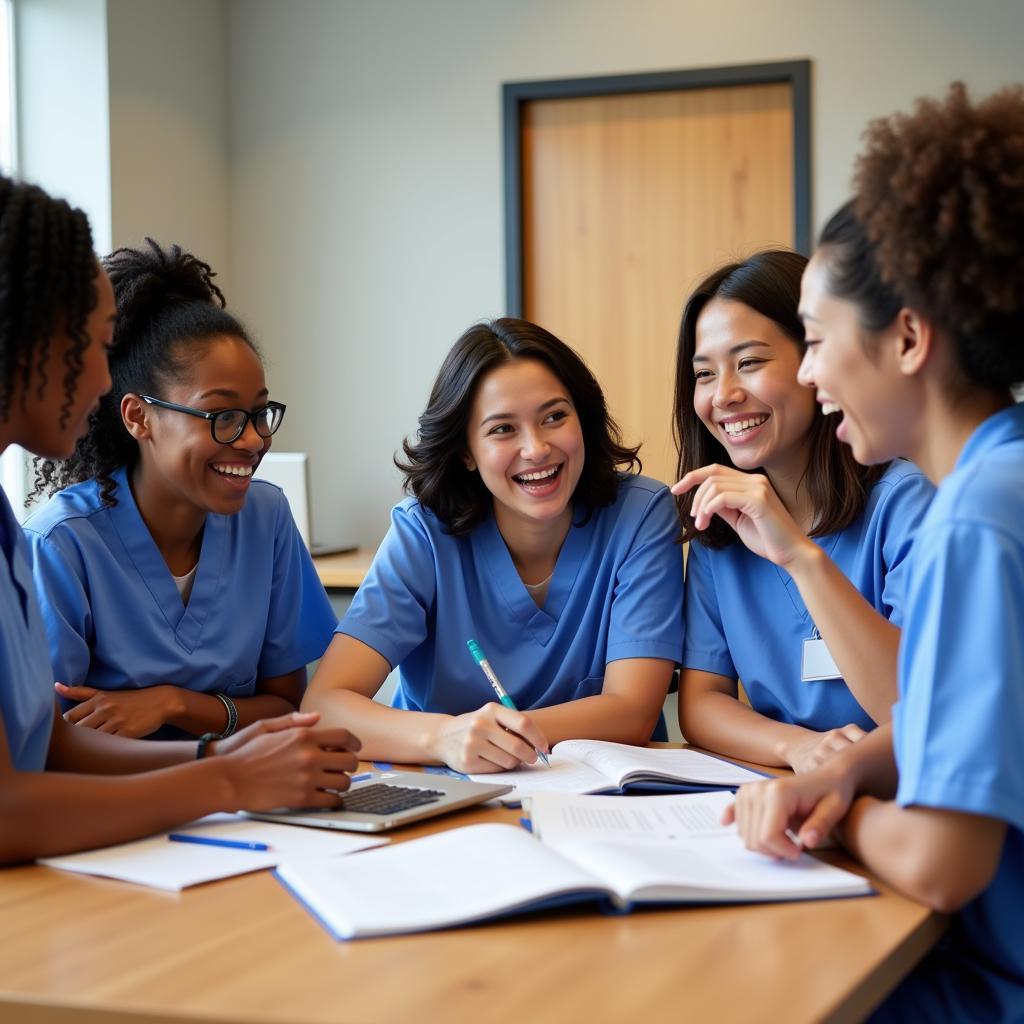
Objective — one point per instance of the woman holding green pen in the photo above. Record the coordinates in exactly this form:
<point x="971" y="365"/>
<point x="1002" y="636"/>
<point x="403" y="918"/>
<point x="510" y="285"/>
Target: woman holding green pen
<point x="528" y="531"/>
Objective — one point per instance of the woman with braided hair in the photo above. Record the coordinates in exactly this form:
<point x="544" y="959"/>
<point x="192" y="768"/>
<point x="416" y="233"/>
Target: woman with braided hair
<point x="177" y="594"/>
<point x="57" y="323"/>
<point x="914" y="312"/>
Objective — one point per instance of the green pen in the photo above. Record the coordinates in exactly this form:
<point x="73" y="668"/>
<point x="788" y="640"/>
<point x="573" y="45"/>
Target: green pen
<point x="481" y="660"/>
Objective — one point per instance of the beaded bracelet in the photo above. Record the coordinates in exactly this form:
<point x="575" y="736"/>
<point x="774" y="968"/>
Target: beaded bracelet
<point x="229" y="707"/>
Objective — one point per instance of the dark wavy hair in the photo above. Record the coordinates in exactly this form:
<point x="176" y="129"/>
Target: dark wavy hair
<point x="168" y="309"/>
<point x="769" y="283"/>
<point x="938" y="220"/>
<point x="434" y="469"/>
<point x="47" y="284"/>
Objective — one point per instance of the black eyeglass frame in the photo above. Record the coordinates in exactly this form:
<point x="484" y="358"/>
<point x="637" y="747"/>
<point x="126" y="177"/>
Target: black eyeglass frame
<point x="250" y="417"/>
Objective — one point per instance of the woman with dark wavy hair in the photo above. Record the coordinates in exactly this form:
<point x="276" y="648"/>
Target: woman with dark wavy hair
<point x="57" y="317"/>
<point x="934" y="803"/>
<point x="525" y="532"/>
<point x="795" y="572"/>
<point x="177" y="594"/>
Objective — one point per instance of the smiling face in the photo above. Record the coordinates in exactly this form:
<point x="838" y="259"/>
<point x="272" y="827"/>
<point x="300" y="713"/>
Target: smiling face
<point x="857" y="378"/>
<point x="746" y="391"/>
<point x="42" y="427"/>
<point x="525" y="440"/>
<point x="180" y="462"/>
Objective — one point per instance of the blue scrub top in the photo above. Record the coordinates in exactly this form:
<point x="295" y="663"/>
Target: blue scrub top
<point x="115" y="619"/>
<point x="959" y="725"/>
<point x="616" y="593"/>
<point x="26" y="679"/>
<point x="746" y="620"/>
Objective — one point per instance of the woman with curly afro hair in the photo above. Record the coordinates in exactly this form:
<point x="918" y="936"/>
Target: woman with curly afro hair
<point x="914" y="311"/>
<point x="177" y="594"/>
<point x="57" y="316"/>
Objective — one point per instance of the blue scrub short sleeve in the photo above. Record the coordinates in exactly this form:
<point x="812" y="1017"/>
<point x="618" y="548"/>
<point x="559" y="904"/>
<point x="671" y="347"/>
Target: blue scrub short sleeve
<point x="899" y="515"/>
<point x="59" y="574"/>
<point x="961" y="717"/>
<point x="390" y="610"/>
<point x="707" y="649"/>
<point x="647" y="609"/>
<point x="300" y="620"/>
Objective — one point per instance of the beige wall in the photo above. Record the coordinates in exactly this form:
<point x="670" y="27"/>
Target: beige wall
<point x="366" y="225"/>
<point x="168" y="126"/>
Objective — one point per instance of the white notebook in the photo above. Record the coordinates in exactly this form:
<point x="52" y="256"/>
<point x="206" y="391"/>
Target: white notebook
<point x="163" y="864"/>
<point x="598" y="766"/>
<point x="470" y="874"/>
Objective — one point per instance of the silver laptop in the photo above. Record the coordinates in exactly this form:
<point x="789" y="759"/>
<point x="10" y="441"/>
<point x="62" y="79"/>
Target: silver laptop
<point x="389" y="799"/>
<point x="290" y="471"/>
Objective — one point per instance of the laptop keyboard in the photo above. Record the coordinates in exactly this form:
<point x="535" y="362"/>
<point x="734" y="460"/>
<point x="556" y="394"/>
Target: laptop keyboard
<point x="380" y="798"/>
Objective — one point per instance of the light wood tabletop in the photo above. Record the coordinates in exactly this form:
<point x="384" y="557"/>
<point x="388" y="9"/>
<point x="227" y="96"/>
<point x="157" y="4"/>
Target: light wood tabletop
<point x="345" y="571"/>
<point x="87" y="950"/>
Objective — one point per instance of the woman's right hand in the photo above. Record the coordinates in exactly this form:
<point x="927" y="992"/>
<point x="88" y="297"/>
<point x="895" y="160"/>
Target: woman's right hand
<point x="285" y="762"/>
<point x="769" y="815"/>
<point x="750" y="505"/>
<point x="492" y="739"/>
<point x="812" y="750"/>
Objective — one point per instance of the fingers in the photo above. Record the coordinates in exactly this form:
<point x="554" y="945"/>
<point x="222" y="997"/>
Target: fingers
<point x="828" y="812"/>
<point x="85" y="714"/>
<point x="853" y="732"/>
<point x="694" y="478"/>
<point x="294" y="720"/>
<point x="75" y="692"/>
<point x="336" y="739"/>
<point x="763" y="812"/>
<point x="524" y="727"/>
<point x="728" y="815"/>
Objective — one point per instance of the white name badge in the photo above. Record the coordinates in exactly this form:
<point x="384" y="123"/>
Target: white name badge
<point x="817" y="662"/>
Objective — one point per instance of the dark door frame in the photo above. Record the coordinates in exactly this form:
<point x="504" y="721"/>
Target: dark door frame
<point x="795" y="73"/>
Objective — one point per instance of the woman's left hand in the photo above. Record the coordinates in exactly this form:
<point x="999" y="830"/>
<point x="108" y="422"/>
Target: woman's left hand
<point x="749" y="504"/>
<point x="132" y="713"/>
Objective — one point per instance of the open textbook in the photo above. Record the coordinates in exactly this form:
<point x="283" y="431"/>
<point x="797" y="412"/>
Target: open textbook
<point x="597" y="766"/>
<point x="470" y="874"/>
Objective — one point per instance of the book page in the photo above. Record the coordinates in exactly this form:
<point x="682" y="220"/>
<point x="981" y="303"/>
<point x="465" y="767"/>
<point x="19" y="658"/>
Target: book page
<point x="619" y="760"/>
<point x="563" y="775"/>
<point x="459" y="875"/>
<point x="556" y="817"/>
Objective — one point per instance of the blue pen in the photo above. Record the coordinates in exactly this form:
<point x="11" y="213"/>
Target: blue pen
<point x="481" y="660"/>
<point x="233" y="844"/>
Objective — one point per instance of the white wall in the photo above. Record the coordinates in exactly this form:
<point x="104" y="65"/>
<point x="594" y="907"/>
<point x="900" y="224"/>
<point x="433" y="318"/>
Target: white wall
<point x="366" y="224"/>
<point x="168" y="126"/>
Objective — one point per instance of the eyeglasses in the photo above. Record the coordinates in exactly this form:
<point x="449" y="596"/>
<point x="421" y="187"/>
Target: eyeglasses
<point x="228" y="425"/>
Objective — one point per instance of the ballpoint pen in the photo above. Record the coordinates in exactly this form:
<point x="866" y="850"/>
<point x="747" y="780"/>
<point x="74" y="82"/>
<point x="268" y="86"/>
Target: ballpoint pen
<point x="481" y="660"/>
<point x="233" y="844"/>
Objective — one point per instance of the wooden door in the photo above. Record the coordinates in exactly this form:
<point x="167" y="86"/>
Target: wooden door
<point x="627" y="200"/>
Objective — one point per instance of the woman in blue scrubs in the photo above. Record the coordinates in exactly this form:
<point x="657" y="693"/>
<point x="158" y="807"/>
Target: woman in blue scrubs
<point x="524" y="534"/>
<point x="57" y="317"/>
<point x="934" y="803"/>
<point x="796" y="568"/>
<point x="177" y="594"/>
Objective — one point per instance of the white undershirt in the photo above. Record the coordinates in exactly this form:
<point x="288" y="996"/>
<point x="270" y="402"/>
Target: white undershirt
<point x="184" y="583"/>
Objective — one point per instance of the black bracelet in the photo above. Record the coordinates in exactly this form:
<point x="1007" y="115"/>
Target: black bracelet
<point x="204" y="741"/>
<point x="229" y="707"/>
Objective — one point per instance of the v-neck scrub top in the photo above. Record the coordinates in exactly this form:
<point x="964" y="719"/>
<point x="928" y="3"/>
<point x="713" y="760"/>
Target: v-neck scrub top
<point x="26" y="679"/>
<point x="959" y="723"/>
<point x="115" y="619"/>
<point x="616" y="592"/>
<point x="746" y="620"/>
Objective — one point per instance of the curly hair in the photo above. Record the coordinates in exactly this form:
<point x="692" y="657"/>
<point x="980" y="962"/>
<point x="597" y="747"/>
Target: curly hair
<point x="940" y="193"/>
<point x="47" y="284"/>
<point x="168" y="308"/>
<point x="769" y="283"/>
<point x="434" y="469"/>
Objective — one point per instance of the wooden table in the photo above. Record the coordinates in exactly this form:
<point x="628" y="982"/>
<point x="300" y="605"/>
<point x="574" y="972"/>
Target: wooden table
<point x="344" y="571"/>
<point x="90" y="951"/>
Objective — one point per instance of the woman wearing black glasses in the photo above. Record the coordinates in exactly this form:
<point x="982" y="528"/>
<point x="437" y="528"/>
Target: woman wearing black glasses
<point x="177" y="595"/>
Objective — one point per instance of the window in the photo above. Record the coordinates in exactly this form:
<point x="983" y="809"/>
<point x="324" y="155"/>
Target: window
<point x="13" y="465"/>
